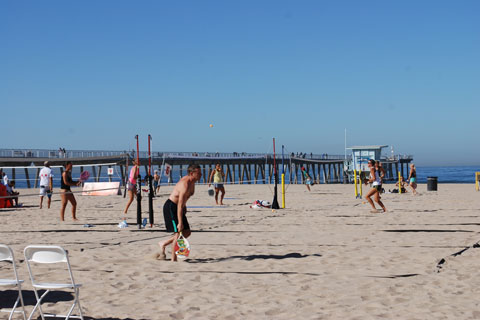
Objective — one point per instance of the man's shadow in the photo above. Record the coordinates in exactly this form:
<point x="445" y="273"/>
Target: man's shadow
<point x="293" y="255"/>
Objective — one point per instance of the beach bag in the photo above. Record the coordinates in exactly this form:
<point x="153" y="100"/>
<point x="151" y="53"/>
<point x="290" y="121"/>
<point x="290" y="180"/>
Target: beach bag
<point x="261" y="204"/>
<point x="182" y="247"/>
<point x="211" y="192"/>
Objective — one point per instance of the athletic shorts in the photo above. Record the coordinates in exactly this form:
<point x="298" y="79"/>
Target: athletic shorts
<point x="131" y="186"/>
<point x="309" y="181"/>
<point x="155" y="184"/>
<point x="413" y="180"/>
<point x="378" y="187"/>
<point x="171" y="217"/>
<point x="45" y="191"/>
<point x="218" y="185"/>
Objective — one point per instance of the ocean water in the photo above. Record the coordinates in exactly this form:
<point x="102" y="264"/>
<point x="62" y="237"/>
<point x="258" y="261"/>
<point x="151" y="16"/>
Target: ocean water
<point x="464" y="174"/>
<point x="453" y="174"/>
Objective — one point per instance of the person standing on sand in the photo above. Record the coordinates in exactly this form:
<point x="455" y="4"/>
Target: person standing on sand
<point x="65" y="193"/>
<point x="376" y="182"/>
<point x="175" y="209"/>
<point x="412" y="179"/>
<point x="46" y="184"/>
<point x="131" y="186"/>
<point x="218" y="178"/>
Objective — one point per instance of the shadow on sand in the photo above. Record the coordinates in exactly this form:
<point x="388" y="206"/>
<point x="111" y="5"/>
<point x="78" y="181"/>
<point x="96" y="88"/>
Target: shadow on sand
<point x="293" y="255"/>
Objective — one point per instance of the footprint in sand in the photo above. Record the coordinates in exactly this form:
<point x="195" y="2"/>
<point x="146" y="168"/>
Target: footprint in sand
<point x="155" y="256"/>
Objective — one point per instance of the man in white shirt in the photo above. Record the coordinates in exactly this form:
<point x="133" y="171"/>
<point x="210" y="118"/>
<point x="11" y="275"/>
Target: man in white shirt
<point x="46" y="183"/>
<point x="5" y="179"/>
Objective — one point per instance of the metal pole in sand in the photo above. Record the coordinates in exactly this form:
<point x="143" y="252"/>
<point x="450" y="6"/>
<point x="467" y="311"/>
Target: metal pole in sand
<point x="283" y="181"/>
<point x="139" y="190"/>
<point x="150" y="184"/>
<point x="275" y="201"/>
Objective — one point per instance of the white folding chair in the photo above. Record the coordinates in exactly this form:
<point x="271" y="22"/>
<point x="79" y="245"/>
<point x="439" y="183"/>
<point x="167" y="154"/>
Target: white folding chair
<point x="6" y="254"/>
<point x="50" y="255"/>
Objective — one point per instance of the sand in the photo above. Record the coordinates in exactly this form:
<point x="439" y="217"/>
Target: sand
<point x="324" y="257"/>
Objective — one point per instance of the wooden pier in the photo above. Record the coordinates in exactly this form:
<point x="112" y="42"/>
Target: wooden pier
<point x="238" y="168"/>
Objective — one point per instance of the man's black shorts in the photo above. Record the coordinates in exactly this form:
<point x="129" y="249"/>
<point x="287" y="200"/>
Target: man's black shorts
<point x="171" y="218"/>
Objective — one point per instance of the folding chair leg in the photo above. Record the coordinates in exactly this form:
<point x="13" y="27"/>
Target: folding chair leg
<point x="19" y="299"/>
<point x="80" y="309"/>
<point x="20" y="295"/>
<point x="13" y="309"/>
<point x="39" y="302"/>
<point x="76" y="302"/>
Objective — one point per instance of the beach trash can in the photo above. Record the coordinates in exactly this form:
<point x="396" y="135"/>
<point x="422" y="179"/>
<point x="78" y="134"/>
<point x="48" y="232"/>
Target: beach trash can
<point x="432" y="183"/>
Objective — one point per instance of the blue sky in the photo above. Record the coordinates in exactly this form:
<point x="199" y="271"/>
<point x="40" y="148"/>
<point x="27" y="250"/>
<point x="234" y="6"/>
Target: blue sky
<point x="92" y="74"/>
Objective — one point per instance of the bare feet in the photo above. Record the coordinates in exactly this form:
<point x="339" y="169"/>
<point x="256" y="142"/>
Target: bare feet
<point x="374" y="211"/>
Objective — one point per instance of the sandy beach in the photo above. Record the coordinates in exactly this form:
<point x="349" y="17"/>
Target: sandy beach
<point x="323" y="257"/>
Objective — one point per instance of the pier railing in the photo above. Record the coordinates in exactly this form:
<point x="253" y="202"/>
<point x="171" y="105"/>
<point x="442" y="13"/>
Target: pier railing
<point x="59" y="154"/>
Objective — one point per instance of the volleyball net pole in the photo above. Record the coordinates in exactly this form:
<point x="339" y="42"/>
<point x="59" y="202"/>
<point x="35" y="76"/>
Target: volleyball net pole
<point x="275" y="201"/>
<point x="139" y="189"/>
<point x="150" y="183"/>
<point x="126" y="177"/>
<point x="399" y="182"/>
<point x="283" y="179"/>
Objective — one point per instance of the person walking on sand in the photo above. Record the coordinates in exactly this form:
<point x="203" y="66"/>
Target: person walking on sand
<point x="65" y="193"/>
<point x="218" y="178"/>
<point x="131" y="186"/>
<point x="175" y="209"/>
<point x="306" y="177"/>
<point x="46" y="184"/>
<point x="412" y="179"/>
<point x="376" y="182"/>
<point x="156" y="182"/>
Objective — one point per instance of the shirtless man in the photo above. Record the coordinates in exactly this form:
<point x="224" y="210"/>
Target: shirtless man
<point x="175" y="209"/>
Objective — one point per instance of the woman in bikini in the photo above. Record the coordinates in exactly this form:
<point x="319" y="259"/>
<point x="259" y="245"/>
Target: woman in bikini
<point x="306" y="177"/>
<point x="376" y="182"/>
<point x="412" y="179"/>
<point x="132" y="186"/>
<point x="66" y="194"/>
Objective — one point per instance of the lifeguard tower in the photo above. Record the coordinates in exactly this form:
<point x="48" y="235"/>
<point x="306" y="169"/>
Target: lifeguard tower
<point x="392" y="164"/>
<point x="361" y="155"/>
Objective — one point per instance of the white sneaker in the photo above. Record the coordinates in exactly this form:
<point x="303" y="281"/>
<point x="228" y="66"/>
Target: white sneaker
<point x="123" y="224"/>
